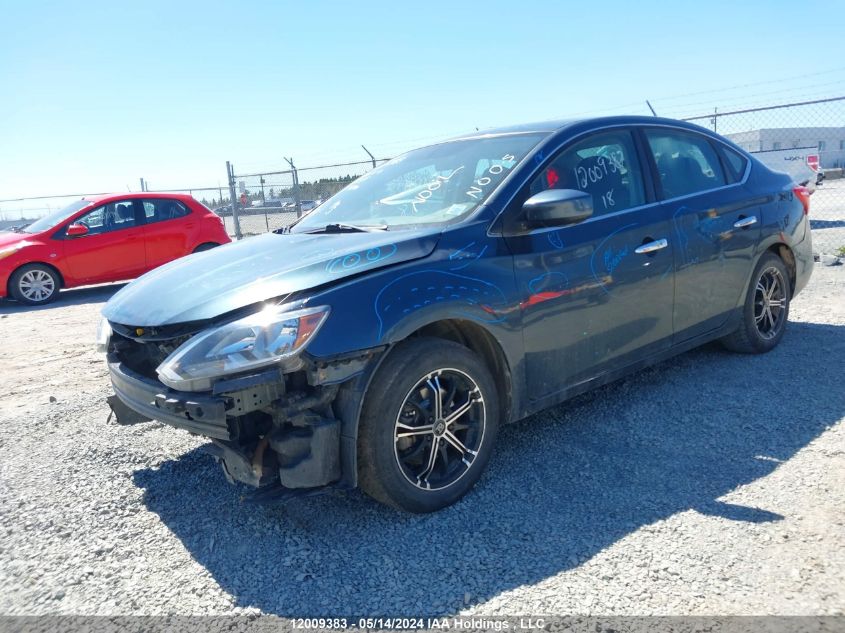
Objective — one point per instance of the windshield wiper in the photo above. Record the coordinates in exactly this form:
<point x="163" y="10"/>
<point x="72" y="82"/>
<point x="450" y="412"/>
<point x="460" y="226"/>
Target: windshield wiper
<point x="349" y="228"/>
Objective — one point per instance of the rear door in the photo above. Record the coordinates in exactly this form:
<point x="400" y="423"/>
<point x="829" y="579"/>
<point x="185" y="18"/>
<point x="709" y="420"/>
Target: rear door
<point x="113" y="248"/>
<point x="715" y="225"/>
<point x="169" y="225"/>
<point x="591" y="302"/>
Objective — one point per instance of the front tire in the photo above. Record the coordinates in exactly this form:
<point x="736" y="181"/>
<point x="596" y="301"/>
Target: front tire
<point x="766" y="309"/>
<point x="34" y="284"/>
<point x="428" y="426"/>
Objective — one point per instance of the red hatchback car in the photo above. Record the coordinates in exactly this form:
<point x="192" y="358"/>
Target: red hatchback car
<point x="100" y="239"/>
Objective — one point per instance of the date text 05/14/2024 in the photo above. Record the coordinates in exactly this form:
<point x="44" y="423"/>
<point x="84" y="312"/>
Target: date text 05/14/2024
<point x="422" y="623"/>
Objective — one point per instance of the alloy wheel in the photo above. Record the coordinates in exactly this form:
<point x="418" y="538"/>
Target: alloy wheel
<point x="770" y="303"/>
<point x="439" y="429"/>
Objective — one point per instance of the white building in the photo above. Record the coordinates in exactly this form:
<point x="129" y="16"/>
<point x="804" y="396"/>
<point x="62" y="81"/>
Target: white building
<point x="829" y="141"/>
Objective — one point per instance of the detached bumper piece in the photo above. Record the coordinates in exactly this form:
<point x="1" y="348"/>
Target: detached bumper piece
<point x="309" y="453"/>
<point x="303" y="462"/>
<point x="123" y="414"/>
<point x="200" y="414"/>
<point x="302" y="458"/>
<point x="279" y="495"/>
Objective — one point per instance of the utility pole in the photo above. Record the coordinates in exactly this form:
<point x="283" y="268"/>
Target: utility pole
<point x="143" y="185"/>
<point x="373" y="158"/>
<point x="261" y="180"/>
<point x="230" y="174"/>
<point x="295" y="187"/>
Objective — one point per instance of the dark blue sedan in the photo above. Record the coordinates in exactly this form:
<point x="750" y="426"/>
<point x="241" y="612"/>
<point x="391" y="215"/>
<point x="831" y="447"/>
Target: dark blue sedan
<point x="383" y="339"/>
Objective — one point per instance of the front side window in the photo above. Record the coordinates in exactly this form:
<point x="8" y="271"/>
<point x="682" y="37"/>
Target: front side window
<point x="435" y="185"/>
<point x="604" y="165"/>
<point x="113" y="216"/>
<point x="686" y="162"/>
<point x="162" y="209"/>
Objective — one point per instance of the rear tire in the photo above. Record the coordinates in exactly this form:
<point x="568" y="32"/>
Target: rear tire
<point x="414" y="454"/>
<point x="34" y="284"/>
<point x="766" y="309"/>
<point x="205" y="247"/>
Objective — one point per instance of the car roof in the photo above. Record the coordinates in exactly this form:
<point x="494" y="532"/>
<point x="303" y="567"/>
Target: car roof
<point x="556" y="125"/>
<point x="105" y="197"/>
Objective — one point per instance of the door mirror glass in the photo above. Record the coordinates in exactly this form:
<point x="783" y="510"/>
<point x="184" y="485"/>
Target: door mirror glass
<point x="77" y="230"/>
<point x="557" y="207"/>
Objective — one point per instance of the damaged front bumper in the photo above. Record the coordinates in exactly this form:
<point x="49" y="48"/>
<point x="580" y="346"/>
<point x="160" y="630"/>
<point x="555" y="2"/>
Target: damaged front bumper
<point x="261" y="435"/>
<point x="151" y="400"/>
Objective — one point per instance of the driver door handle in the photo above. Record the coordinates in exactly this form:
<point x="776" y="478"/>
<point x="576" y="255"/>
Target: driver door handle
<point x="650" y="247"/>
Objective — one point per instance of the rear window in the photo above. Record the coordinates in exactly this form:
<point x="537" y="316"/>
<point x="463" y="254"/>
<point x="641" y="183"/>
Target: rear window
<point x="162" y="209"/>
<point x="686" y="162"/>
<point x="736" y="163"/>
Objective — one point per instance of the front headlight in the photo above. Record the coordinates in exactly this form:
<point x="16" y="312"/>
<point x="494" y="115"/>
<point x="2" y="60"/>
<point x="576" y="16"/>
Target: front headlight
<point x="11" y="250"/>
<point x="264" y="338"/>
<point x="103" y="336"/>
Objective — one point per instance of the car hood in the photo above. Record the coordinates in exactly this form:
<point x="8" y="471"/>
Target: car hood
<point x="208" y="284"/>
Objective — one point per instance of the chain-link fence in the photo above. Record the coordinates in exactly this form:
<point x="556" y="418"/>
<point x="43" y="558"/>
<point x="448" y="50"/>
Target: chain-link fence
<point x="271" y="200"/>
<point x="805" y="140"/>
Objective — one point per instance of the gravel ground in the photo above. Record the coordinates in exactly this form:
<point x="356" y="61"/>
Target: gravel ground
<point x="827" y="217"/>
<point x="710" y="484"/>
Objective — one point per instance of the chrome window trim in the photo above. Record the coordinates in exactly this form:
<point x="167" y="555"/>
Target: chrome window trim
<point x="632" y="126"/>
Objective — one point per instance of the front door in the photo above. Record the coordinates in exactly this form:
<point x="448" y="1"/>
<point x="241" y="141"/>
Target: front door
<point x="113" y="247"/>
<point x="598" y="294"/>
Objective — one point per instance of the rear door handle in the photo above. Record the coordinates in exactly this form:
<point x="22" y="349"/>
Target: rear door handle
<point x="744" y="223"/>
<point x="650" y="247"/>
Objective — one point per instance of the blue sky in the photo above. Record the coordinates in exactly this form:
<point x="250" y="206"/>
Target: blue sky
<point x="96" y="95"/>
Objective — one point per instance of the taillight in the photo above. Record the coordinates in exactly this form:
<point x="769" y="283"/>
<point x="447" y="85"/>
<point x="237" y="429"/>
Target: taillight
<point x="803" y="194"/>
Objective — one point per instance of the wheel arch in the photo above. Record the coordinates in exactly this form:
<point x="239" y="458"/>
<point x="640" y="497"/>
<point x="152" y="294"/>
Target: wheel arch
<point x="788" y="258"/>
<point x="203" y="246"/>
<point x="779" y="249"/>
<point x="350" y="398"/>
<point x="480" y="341"/>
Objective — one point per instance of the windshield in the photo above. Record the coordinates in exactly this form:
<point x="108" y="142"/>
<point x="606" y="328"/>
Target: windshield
<point x="433" y="185"/>
<point x="57" y="217"/>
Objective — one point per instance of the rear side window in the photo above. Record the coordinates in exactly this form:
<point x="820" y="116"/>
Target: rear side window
<point x="687" y="163"/>
<point x="735" y="162"/>
<point x="604" y="165"/>
<point x="162" y="209"/>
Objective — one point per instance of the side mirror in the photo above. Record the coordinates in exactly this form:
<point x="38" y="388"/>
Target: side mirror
<point x="557" y="207"/>
<point x="76" y="230"/>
